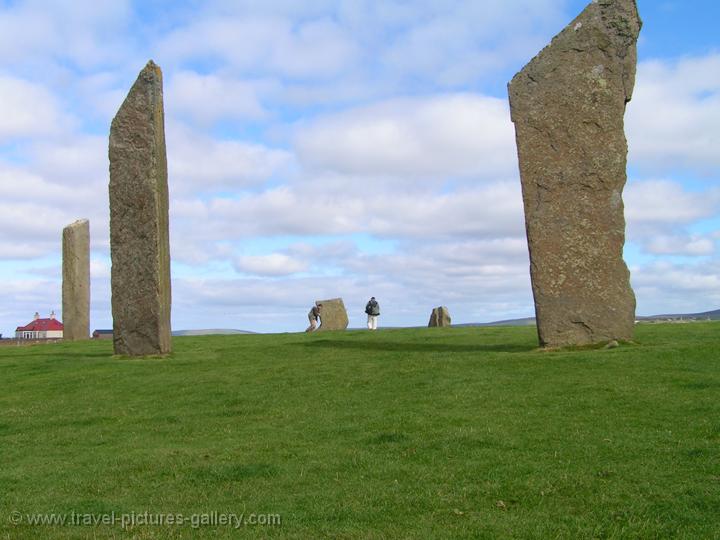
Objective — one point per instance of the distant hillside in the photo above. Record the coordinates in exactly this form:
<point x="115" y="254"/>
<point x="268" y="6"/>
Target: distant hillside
<point x="209" y="332"/>
<point x="704" y="316"/>
<point x="529" y="321"/>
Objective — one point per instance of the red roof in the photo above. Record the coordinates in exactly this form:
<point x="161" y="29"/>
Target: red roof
<point x="41" y="325"/>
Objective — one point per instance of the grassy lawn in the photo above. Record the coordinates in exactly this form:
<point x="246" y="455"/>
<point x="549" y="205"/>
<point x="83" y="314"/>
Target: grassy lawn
<point x="423" y="433"/>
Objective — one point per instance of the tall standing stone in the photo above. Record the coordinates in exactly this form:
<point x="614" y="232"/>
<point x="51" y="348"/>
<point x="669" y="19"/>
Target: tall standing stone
<point x="139" y="236"/>
<point x="568" y="106"/>
<point x="76" y="280"/>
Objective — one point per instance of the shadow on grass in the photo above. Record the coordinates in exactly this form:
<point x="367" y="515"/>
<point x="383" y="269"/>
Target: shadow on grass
<point x="417" y="347"/>
<point x="52" y="356"/>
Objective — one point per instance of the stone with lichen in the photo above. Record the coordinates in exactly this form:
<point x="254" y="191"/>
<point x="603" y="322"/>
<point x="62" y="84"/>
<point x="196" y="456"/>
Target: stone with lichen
<point x="568" y="108"/>
<point x="139" y="230"/>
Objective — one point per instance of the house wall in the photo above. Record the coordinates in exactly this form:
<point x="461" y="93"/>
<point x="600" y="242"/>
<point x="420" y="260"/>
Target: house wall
<point x="50" y="334"/>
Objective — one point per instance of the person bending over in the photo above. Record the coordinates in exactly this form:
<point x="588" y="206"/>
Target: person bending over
<point x="314" y="318"/>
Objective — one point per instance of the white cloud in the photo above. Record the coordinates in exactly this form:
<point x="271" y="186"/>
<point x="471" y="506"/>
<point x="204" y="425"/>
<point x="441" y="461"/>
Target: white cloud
<point x="394" y="44"/>
<point x="64" y="179"/>
<point x="208" y="98"/>
<point x="77" y="162"/>
<point x="100" y="93"/>
<point x="198" y="162"/>
<point x="278" y="211"/>
<point x="319" y="47"/>
<point x="665" y="287"/>
<point x="31" y="221"/>
<point x="19" y="248"/>
<point x="86" y="31"/>
<point x="316" y="48"/>
<point x="442" y="136"/>
<point x="685" y="134"/>
<point x="16" y="183"/>
<point x="448" y="43"/>
<point x="23" y="31"/>
<point x="660" y="213"/>
<point x="99" y="269"/>
<point x="275" y="264"/>
<point x="31" y="226"/>
<point x="664" y="202"/>
<point x="29" y="110"/>
<point x="492" y="210"/>
<point x="487" y="211"/>
<point x="689" y="245"/>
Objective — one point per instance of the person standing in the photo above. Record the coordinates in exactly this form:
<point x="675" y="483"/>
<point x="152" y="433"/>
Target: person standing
<point x="314" y="318"/>
<point x="373" y="311"/>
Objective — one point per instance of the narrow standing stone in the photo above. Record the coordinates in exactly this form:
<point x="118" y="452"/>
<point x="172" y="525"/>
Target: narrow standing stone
<point x="568" y="106"/>
<point x="76" y="280"/>
<point x="139" y="235"/>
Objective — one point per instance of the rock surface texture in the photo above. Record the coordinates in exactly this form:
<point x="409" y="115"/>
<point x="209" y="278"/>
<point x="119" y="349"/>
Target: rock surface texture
<point x="333" y="314"/>
<point x="440" y="316"/>
<point x="139" y="236"/>
<point x="76" y="280"/>
<point x="568" y="107"/>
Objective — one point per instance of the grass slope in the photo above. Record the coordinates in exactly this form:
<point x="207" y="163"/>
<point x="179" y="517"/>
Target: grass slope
<point x="434" y="433"/>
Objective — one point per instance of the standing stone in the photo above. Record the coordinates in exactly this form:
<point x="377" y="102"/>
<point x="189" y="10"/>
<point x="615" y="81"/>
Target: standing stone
<point x="76" y="280"/>
<point x="440" y="316"/>
<point x="333" y="314"/>
<point x="568" y="106"/>
<point x="139" y="237"/>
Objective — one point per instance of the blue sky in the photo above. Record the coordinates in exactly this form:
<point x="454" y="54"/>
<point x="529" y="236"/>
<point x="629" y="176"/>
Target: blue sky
<point x="339" y="148"/>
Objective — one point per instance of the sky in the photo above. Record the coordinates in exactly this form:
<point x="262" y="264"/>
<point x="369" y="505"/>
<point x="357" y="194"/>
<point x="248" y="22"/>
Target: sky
<point x="339" y="148"/>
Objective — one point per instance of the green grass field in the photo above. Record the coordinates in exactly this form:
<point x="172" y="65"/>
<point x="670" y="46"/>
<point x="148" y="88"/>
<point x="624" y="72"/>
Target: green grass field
<point x="423" y="433"/>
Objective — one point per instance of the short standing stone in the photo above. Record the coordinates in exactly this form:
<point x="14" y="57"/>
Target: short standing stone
<point x="333" y="314"/>
<point x="76" y="280"/>
<point x="568" y="106"/>
<point x="440" y="316"/>
<point x="139" y="237"/>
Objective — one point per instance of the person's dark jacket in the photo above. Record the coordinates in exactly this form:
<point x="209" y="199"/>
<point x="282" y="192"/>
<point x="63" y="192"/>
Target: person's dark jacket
<point x="372" y="308"/>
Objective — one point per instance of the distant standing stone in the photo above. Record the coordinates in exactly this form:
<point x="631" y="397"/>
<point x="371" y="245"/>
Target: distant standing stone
<point x="440" y="316"/>
<point x="333" y="315"/>
<point x="76" y="280"/>
<point x="139" y="236"/>
<point x="568" y="106"/>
